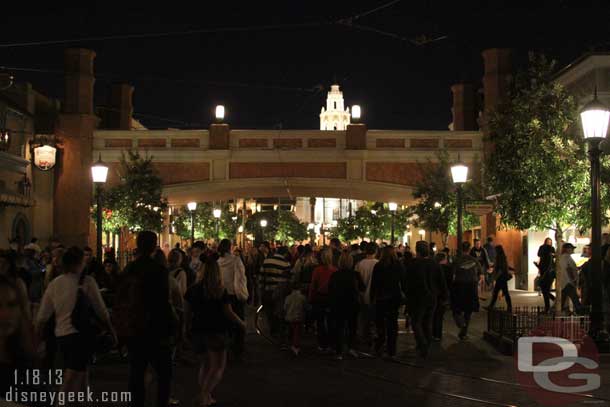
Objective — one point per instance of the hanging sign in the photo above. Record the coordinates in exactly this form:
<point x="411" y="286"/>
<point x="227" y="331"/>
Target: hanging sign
<point x="479" y="208"/>
<point x="44" y="157"/>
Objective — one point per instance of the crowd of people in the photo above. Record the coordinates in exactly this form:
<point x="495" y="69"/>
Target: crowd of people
<point x="62" y="301"/>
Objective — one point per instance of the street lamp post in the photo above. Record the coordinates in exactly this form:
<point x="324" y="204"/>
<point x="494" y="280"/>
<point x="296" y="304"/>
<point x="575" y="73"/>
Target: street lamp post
<point x="393" y="206"/>
<point x="217" y="213"/>
<point x="263" y="224"/>
<point x="99" y="173"/>
<point x="192" y="206"/>
<point x="595" y="116"/>
<point x="459" y="173"/>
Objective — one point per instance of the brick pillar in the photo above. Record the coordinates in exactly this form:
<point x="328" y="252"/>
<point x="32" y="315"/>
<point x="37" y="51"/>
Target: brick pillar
<point x="76" y="124"/>
<point x="464" y="107"/>
<point x="497" y="77"/>
<point x="219" y="136"/>
<point x="496" y="81"/>
<point x="121" y="107"/>
<point x="355" y="137"/>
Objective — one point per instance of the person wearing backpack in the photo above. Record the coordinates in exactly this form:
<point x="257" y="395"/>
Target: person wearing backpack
<point x="148" y="319"/>
<point x="464" y="289"/>
<point x="67" y="295"/>
<point x="234" y="279"/>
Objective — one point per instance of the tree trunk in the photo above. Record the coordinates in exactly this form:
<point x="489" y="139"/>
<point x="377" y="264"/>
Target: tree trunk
<point x="559" y="241"/>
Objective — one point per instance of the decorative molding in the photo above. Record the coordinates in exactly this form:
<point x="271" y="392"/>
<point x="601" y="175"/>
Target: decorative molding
<point x="13" y="163"/>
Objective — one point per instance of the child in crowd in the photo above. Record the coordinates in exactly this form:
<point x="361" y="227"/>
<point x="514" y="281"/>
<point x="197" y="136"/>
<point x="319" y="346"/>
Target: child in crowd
<point x="294" y="308"/>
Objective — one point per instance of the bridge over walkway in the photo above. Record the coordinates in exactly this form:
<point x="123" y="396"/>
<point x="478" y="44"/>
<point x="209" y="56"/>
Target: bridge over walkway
<point x="222" y="164"/>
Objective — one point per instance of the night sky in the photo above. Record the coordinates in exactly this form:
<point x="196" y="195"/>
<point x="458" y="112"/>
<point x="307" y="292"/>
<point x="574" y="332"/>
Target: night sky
<point x="274" y="77"/>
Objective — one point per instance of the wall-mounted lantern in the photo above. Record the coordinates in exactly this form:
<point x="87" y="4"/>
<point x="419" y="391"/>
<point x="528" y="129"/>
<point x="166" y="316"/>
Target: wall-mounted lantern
<point x="44" y="151"/>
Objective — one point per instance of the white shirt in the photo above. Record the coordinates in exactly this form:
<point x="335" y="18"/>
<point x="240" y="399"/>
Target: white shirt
<point x="60" y="298"/>
<point x="568" y="271"/>
<point x="365" y="268"/>
<point x="233" y="275"/>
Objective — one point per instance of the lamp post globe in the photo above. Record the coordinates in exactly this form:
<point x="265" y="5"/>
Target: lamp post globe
<point x="192" y="206"/>
<point x="393" y="206"/>
<point x="595" y="116"/>
<point x="99" y="173"/>
<point x="459" y="174"/>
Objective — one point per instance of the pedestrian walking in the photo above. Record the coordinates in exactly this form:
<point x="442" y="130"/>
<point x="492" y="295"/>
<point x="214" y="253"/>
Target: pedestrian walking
<point x="546" y="271"/>
<point x="424" y="284"/>
<point x="294" y="312"/>
<point x="568" y="275"/>
<point x="210" y="317"/>
<point x="464" y="295"/>
<point x="480" y="254"/>
<point x="73" y="291"/>
<point x="442" y="260"/>
<point x="503" y="273"/>
<point x="344" y="289"/>
<point x="318" y="298"/>
<point x="367" y="309"/>
<point x="235" y="282"/>
<point x="273" y="279"/>
<point x="387" y="295"/>
<point x="149" y="320"/>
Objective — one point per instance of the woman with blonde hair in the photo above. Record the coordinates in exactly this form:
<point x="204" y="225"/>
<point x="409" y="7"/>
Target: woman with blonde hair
<point x="318" y="297"/>
<point x="209" y="315"/>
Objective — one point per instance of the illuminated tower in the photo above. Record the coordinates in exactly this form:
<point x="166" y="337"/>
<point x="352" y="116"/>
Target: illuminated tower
<point x="335" y="116"/>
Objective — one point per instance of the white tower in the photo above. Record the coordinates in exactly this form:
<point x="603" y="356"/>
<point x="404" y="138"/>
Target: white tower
<point x="335" y="116"/>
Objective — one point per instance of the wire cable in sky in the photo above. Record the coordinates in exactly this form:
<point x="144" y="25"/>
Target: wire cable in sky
<point x="164" y="34"/>
<point x="383" y="6"/>
<point x="118" y="78"/>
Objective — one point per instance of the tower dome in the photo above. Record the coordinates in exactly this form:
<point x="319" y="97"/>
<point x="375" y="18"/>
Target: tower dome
<point x="335" y="116"/>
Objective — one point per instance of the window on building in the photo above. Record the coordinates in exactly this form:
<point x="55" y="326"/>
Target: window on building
<point x="335" y="104"/>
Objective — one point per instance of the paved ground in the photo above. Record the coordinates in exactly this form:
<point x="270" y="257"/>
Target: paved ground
<point x="456" y="374"/>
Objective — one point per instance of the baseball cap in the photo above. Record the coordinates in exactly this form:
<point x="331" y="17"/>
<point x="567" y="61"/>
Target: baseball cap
<point x="568" y="245"/>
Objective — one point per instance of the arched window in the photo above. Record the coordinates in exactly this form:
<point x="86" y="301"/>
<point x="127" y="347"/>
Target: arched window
<point x="335" y="103"/>
<point x="21" y="229"/>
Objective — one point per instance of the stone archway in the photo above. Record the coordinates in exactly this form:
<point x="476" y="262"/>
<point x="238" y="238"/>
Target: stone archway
<point x="180" y="194"/>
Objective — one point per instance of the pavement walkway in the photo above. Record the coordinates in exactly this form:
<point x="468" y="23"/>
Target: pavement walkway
<point x="457" y="373"/>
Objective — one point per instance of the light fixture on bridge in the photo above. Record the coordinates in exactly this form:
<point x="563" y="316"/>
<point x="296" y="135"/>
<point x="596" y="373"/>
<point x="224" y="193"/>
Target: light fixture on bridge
<point x="191" y="206"/>
<point x="216" y="213"/>
<point x="263" y="223"/>
<point x="219" y="113"/>
<point x="356" y="113"/>
<point x="437" y="205"/>
<point x="393" y="206"/>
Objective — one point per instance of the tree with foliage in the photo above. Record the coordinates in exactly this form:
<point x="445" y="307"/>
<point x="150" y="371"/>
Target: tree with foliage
<point x="205" y="222"/>
<point x="436" y="208"/>
<point x="372" y="221"/>
<point x="136" y="202"/>
<point x="538" y="164"/>
<point x="282" y="226"/>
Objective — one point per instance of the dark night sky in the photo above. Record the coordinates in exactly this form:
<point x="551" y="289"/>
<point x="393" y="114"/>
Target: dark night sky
<point x="271" y="74"/>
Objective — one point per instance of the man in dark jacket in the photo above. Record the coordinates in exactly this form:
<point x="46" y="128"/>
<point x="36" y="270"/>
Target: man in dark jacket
<point x="144" y="293"/>
<point x="423" y="283"/>
<point x="464" y="293"/>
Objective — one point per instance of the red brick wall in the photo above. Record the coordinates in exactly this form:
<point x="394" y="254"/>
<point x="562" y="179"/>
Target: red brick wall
<point x="306" y="170"/>
<point x="152" y="143"/>
<point x="185" y="142"/>
<point x="394" y="173"/>
<point x="252" y="143"/>
<point x="170" y="173"/>
<point x="458" y="143"/>
<point x="390" y="143"/>
<point x="424" y="143"/>
<point x="117" y="143"/>
<point x="287" y="143"/>
<point x="321" y="142"/>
